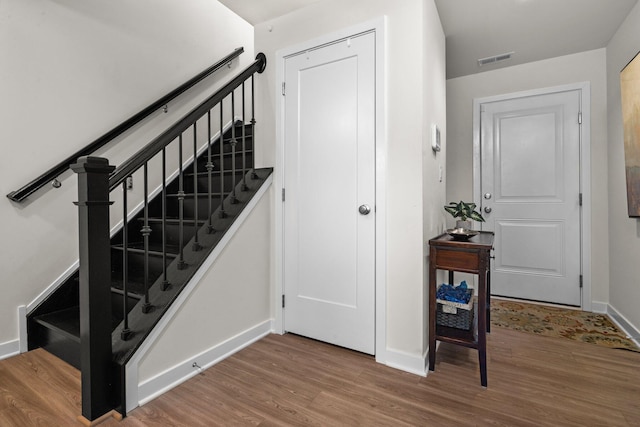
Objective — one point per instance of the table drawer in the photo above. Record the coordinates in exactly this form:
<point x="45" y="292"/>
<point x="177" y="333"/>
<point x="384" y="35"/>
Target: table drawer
<point x="457" y="260"/>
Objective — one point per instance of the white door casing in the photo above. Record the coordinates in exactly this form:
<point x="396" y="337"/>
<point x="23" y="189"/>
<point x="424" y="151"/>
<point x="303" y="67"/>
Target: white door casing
<point x="529" y="171"/>
<point x="329" y="161"/>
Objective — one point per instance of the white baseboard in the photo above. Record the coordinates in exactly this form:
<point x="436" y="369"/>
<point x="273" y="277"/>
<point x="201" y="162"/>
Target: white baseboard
<point x="627" y="327"/>
<point x="403" y="361"/>
<point x="9" y="349"/>
<point x="180" y="373"/>
<point x="22" y="328"/>
<point x="599" y="307"/>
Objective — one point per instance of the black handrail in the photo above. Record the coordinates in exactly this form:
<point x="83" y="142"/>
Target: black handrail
<point x="57" y="170"/>
<point x="155" y="146"/>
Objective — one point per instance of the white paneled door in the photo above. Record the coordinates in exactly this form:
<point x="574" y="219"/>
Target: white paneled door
<point x="530" y="192"/>
<point x="329" y="182"/>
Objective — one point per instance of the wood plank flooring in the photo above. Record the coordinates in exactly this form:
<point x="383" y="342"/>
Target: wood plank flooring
<point x="290" y="380"/>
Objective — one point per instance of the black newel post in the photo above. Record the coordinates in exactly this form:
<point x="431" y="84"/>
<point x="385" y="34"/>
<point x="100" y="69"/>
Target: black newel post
<point x="95" y="283"/>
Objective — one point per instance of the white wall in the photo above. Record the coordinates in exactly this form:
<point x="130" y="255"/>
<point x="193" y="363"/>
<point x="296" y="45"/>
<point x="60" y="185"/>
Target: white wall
<point x="624" y="232"/>
<point x="433" y="164"/>
<point x="415" y="43"/>
<point x="70" y="72"/>
<point x="586" y="66"/>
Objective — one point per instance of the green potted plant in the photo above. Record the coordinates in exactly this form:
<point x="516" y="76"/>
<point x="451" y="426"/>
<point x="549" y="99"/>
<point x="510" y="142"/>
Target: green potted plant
<point x="464" y="212"/>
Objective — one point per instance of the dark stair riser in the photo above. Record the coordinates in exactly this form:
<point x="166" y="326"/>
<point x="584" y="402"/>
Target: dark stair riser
<point x="227" y="148"/>
<point x="172" y="238"/>
<point x="189" y="207"/>
<point x="55" y="342"/>
<point x="202" y="182"/>
<point x="136" y="264"/>
<point x="59" y="332"/>
<point x="227" y="162"/>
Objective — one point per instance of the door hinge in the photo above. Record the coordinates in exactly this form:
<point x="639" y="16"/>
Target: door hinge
<point x="581" y="280"/>
<point x="283" y="88"/>
<point x="580" y="199"/>
<point x="580" y="118"/>
<point x="283" y="197"/>
<point x="282" y="300"/>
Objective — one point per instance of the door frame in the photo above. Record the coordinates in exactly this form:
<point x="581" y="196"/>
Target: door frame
<point x="378" y="27"/>
<point x="585" y="169"/>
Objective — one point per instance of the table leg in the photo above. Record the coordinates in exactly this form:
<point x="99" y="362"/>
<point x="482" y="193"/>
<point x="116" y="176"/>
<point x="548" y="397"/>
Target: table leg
<point x="482" y="321"/>
<point x="451" y="277"/>
<point x="488" y="301"/>
<point x="432" y="310"/>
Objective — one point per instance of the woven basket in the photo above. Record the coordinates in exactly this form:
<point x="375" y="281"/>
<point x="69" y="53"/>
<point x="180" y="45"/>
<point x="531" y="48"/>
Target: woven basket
<point x="455" y="315"/>
<point x="463" y="319"/>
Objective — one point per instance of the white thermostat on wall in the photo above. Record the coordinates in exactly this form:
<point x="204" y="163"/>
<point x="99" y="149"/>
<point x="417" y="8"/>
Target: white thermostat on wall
<point x="435" y="138"/>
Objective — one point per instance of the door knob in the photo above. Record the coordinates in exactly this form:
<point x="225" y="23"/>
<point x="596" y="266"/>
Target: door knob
<point x="364" y="209"/>
<point x="487" y="209"/>
<point x="487" y="196"/>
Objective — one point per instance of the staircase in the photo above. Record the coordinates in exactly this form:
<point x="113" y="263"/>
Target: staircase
<point x="55" y="324"/>
<point x="99" y="316"/>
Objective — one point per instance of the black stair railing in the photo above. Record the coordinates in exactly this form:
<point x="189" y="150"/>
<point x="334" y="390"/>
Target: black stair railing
<point x="51" y="175"/>
<point x="151" y="164"/>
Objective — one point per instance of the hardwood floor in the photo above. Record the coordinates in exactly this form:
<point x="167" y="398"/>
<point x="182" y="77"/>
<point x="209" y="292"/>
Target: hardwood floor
<point x="290" y="380"/>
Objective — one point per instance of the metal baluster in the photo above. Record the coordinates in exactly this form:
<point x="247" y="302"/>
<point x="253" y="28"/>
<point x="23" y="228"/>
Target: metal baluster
<point x="222" y="214"/>
<point x="181" y="263"/>
<point x="209" y="167"/>
<point x="243" y="186"/>
<point x="165" y="281"/>
<point x="254" y="175"/>
<point x="126" y="332"/>
<point x="146" y="231"/>
<point x="233" y="199"/>
<point x="196" y="244"/>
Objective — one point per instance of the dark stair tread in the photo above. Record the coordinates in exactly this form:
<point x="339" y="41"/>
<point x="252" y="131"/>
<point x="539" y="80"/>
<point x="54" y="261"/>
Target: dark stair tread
<point x="200" y="194"/>
<point x="155" y="250"/>
<point x="205" y="173"/>
<point x="66" y="322"/>
<point x="175" y="221"/>
<point x="118" y="290"/>
<point x="135" y="288"/>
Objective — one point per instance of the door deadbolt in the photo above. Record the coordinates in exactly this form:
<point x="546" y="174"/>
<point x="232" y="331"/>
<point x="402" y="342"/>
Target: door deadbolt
<point x="487" y="209"/>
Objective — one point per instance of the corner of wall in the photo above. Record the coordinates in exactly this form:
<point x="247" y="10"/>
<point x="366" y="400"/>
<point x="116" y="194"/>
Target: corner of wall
<point x="412" y="363"/>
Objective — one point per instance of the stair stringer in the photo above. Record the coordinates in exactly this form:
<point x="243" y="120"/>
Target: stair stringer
<point x="136" y="393"/>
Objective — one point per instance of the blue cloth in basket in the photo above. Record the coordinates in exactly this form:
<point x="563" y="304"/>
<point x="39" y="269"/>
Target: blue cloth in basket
<point x="452" y="293"/>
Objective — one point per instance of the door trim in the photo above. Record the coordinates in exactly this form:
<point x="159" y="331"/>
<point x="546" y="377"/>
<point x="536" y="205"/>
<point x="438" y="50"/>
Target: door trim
<point x="378" y="26"/>
<point x="585" y="169"/>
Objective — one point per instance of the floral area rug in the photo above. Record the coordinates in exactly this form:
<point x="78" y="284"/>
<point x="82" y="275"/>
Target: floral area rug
<point x="577" y="325"/>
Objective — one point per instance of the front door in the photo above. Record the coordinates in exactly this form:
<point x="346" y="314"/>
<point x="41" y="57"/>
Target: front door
<point x="329" y="200"/>
<point x="530" y="194"/>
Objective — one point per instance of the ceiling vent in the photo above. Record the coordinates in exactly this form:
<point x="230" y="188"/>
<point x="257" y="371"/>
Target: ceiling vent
<point x="494" y="59"/>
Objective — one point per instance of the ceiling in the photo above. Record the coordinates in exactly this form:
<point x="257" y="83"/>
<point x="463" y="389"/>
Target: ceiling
<point x="532" y="29"/>
<point x="257" y="11"/>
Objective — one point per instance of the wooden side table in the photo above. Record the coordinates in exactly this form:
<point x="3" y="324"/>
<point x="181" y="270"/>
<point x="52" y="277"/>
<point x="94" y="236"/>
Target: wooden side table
<point x="471" y="256"/>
